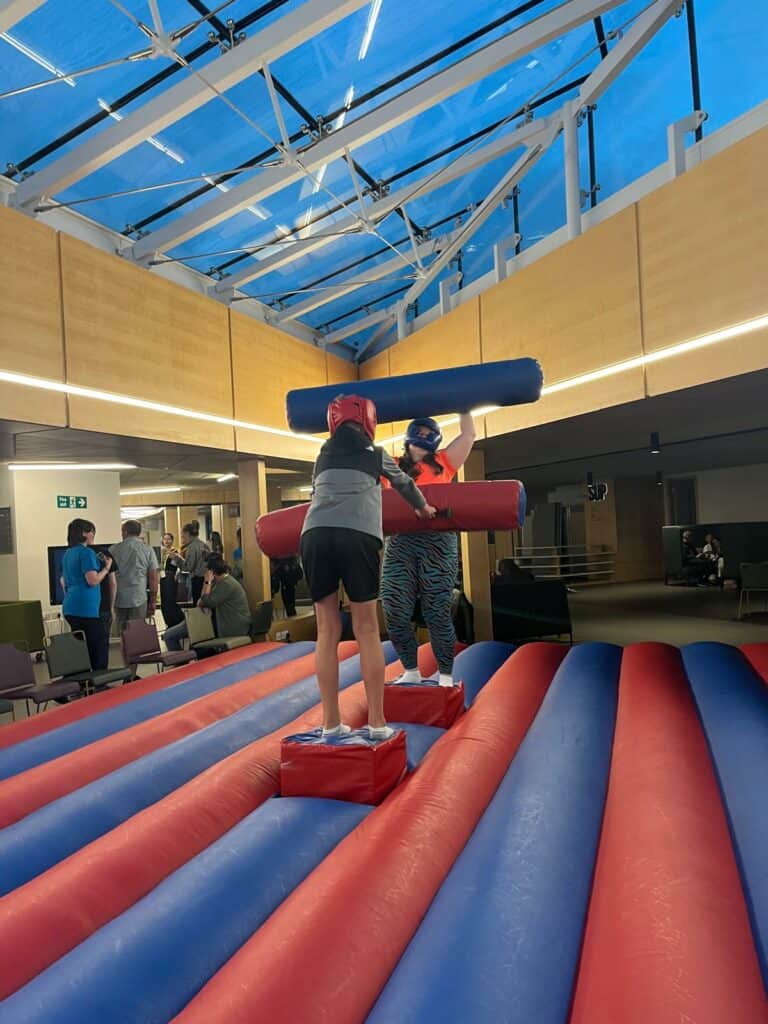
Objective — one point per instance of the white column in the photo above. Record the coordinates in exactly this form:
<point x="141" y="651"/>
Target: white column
<point x="571" y="158"/>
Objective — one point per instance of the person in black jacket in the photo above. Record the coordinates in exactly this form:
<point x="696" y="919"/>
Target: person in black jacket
<point x="285" y="574"/>
<point x="341" y="543"/>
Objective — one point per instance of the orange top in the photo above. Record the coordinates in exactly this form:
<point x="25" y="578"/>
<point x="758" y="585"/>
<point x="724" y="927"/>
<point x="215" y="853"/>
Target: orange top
<point x="427" y="475"/>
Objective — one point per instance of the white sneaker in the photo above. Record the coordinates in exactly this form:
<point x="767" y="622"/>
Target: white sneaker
<point x="411" y="675"/>
<point x="444" y="680"/>
<point x="339" y="730"/>
<point x="380" y="732"/>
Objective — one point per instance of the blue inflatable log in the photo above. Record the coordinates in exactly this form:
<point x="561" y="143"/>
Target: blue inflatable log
<point x="434" y="393"/>
<point x="501" y="940"/>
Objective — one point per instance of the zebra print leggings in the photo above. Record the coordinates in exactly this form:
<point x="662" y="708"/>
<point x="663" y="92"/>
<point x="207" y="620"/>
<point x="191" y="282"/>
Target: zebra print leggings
<point x="425" y="566"/>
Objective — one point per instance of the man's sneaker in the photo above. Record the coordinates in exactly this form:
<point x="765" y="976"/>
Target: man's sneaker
<point x="445" y="680"/>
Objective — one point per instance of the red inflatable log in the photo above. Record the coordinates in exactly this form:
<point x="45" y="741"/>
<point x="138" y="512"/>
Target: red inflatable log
<point x="484" y="505"/>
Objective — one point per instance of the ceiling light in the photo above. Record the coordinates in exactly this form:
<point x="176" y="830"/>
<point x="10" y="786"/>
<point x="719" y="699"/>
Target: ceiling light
<point x="51" y="466"/>
<point x="306" y="490"/>
<point x="659" y="478"/>
<point x="373" y="17"/>
<point x="227" y="476"/>
<point x="140" y="512"/>
<point x="150" y="490"/>
<point x="655" y="444"/>
<point x="140" y="403"/>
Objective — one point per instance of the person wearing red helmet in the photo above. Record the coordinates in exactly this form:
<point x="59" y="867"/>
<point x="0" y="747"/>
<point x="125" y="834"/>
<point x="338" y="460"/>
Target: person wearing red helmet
<point x="341" y="543"/>
<point x="425" y="566"/>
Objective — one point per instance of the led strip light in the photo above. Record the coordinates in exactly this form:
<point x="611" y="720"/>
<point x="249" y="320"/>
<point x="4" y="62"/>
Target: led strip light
<point x="703" y="341"/>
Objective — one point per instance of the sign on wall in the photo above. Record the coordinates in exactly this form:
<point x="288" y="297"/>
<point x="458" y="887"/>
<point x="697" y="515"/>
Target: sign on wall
<point x="71" y="501"/>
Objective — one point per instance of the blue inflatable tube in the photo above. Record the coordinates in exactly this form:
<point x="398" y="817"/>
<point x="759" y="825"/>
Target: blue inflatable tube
<point x="733" y="703"/>
<point x="46" y="747"/>
<point x="434" y="393"/>
<point x="502" y="938"/>
<point x="149" y="962"/>
<point x="52" y="833"/>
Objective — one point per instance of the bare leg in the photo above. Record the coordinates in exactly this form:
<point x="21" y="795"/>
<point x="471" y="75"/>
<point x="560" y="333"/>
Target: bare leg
<point x="327" y="657"/>
<point x="366" y="626"/>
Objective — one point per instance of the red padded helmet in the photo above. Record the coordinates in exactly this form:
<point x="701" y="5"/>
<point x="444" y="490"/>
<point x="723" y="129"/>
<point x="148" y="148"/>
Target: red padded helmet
<point x="352" y="409"/>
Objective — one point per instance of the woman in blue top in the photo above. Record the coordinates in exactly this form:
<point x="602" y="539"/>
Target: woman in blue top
<point x="82" y="571"/>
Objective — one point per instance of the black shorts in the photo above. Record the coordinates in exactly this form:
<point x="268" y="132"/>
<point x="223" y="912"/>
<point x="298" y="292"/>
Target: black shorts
<point x="333" y="554"/>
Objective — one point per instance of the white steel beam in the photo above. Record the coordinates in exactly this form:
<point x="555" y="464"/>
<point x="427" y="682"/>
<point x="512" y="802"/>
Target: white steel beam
<point x="389" y="115"/>
<point x="480" y="215"/>
<point x="571" y="160"/>
<point x="359" y="325"/>
<point x="634" y="39"/>
<point x="279" y="38"/>
<point x="379" y="209"/>
<point x="394" y="266"/>
<point x="13" y="11"/>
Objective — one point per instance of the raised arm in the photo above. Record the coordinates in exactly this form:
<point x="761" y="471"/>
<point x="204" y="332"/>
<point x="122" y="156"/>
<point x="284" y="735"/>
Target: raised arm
<point x="458" y="450"/>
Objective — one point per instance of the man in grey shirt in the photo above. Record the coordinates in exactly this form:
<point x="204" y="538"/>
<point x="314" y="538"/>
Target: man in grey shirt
<point x="136" y="567"/>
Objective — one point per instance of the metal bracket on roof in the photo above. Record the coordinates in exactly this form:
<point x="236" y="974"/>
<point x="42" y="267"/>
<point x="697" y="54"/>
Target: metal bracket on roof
<point x="676" y="133"/>
<point x="232" y="40"/>
<point x="377" y="191"/>
<point x="501" y="253"/>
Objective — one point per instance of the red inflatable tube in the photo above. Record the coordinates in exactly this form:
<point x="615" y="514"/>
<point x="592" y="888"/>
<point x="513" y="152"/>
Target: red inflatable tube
<point x="757" y="656"/>
<point x="43" y="920"/>
<point x="327" y="951"/>
<point x="22" y="794"/>
<point x="485" y="505"/>
<point x="668" y="936"/>
<point x="26" y="729"/>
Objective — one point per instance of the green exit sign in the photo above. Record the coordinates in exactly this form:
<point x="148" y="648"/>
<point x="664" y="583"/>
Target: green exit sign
<point x="71" y="501"/>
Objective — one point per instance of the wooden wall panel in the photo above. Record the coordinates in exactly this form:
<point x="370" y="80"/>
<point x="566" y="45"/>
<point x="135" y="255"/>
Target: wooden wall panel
<point x="337" y="370"/>
<point x="575" y="310"/>
<point x="130" y="332"/>
<point x="266" y="365"/>
<point x="453" y="340"/>
<point x="378" y="366"/>
<point x="31" y="335"/>
<point x="704" y="265"/>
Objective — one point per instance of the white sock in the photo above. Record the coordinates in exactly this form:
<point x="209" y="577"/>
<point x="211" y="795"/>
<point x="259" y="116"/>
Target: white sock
<point x="445" y="680"/>
<point x="411" y="675"/>
<point x="380" y="732"/>
<point x="339" y="730"/>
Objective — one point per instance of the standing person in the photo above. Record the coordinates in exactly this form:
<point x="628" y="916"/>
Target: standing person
<point x="425" y="565"/>
<point x="228" y="603"/>
<point x="193" y="558"/>
<point x="106" y="611"/>
<point x="137" y="575"/>
<point x="82" y="573"/>
<point x="168" y="550"/>
<point x="341" y="542"/>
<point x="217" y="544"/>
<point x="237" y="556"/>
<point x="286" y="573"/>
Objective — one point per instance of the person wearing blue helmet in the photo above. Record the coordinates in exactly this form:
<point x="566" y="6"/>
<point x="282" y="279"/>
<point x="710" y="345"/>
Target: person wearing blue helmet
<point x="425" y="566"/>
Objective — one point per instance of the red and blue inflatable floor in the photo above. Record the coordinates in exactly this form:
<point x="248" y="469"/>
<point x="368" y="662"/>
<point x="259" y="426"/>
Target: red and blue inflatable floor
<point x="586" y="844"/>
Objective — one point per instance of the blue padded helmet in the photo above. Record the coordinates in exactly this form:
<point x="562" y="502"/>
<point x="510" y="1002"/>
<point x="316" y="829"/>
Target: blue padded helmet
<point x="429" y="442"/>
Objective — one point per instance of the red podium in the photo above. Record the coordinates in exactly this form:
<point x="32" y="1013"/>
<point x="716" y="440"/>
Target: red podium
<point x="423" y="703"/>
<point x="351" y="767"/>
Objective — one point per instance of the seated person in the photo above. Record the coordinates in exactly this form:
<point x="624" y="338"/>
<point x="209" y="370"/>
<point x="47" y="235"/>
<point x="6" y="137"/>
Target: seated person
<point x="712" y="552"/>
<point x="225" y="596"/>
<point x="697" y="567"/>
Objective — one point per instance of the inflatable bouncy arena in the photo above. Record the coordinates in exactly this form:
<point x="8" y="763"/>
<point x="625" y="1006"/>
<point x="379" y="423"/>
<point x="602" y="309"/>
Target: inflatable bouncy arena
<point x="583" y="840"/>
